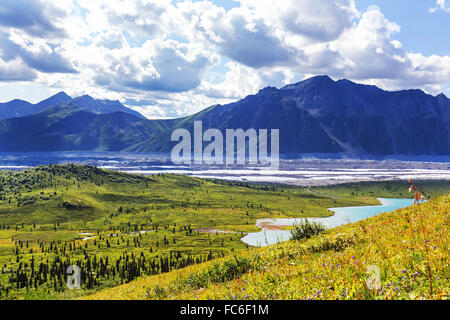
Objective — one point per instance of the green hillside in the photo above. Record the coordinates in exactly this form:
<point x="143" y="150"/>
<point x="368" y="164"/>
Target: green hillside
<point x="408" y="247"/>
<point x="118" y="227"/>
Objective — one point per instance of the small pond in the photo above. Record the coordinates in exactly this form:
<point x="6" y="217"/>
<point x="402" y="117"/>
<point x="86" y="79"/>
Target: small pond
<point x="272" y="231"/>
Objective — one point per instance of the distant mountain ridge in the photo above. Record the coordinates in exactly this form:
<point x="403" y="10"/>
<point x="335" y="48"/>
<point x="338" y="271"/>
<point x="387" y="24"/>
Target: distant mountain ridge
<point x="20" y="108"/>
<point x="320" y="115"/>
<point x="69" y="127"/>
<point x="317" y="115"/>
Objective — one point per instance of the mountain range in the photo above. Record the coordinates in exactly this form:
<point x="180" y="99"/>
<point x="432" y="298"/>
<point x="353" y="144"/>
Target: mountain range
<point x="20" y="108"/>
<point x="317" y="115"/>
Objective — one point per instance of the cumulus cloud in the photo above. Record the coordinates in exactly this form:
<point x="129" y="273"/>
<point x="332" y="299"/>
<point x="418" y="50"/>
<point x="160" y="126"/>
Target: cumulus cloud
<point x="317" y="20"/>
<point x="368" y="53"/>
<point x="36" y="53"/>
<point x="150" y="18"/>
<point x="266" y="33"/>
<point x="30" y="33"/>
<point x="111" y="39"/>
<point x="16" y="70"/>
<point x="238" y="34"/>
<point x="241" y="80"/>
<point x="441" y="5"/>
<point x="250" y="42"/>
<point x="34" y="17"/>
<point x="157" y="66"/>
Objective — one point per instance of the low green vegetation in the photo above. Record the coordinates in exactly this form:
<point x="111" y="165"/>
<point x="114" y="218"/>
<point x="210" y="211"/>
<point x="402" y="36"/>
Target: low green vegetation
<point x="119" y="227"/>
<point x="396" y="255"/>
<point x="382" y="189"/>
<point x="306" y="229"/>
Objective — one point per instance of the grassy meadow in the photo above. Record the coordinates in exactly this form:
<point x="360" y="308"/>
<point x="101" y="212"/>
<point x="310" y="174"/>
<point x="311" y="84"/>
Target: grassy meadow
<point x="132" y="232"/>
<point x="408" y="247"/>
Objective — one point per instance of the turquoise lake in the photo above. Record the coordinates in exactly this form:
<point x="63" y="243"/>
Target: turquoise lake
<point x="342" y="215"/>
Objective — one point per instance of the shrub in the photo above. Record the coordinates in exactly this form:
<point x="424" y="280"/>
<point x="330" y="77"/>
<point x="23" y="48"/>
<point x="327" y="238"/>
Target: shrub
<point x="220" y="272"/>
<point x="156" y="292"/>
<point x="306" y="229"/>
<point x="336" y="243"/>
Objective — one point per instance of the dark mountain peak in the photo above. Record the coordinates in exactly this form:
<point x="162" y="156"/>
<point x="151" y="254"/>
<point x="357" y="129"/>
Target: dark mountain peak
<point x="61" y="94"/>
<point x="102" y="106"/>
<point x="88" y="99"/>
<point x="442" y="96"/>
<point x="314" y="81"/>
<point x="353" y="87"/>
<point x="15" y="108"/>
<point x="348" y="83"/>
<point x="87" y="102"/>
<point x="413" y="91"/>
<point x="267" y="90"/>
<point x="84" y="98"/>
<point x="320" y="78"/>
<point x="16" y="102"/>
<point x="60" y="97"/>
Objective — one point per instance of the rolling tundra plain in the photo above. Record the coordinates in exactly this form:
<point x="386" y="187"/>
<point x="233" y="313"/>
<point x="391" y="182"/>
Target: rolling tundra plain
<point x="119" y="227"/>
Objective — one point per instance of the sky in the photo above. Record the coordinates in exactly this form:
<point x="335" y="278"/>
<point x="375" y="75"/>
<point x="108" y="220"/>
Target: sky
<point x="169" y="59"/>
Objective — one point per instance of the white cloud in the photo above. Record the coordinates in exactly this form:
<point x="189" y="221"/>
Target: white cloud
<point x="15" y="70"/>
<point x="38" y="18"/>
<point x="317" y="20"/>
<point x="39" y="54"/>
<point x="264" y="33"/>
<point x="238" y="34"/>
<point x="369" y="54"/>
<point x="441" y="5"/>
<point x="156" y="66"/>
<point x="111" y="39"/>
<point x="241" y="81"/>
<point x="367" y="51"/>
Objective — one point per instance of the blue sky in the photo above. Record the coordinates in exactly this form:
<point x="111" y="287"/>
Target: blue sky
<point x="421" y="30"/>
<point x="173" y="58"/>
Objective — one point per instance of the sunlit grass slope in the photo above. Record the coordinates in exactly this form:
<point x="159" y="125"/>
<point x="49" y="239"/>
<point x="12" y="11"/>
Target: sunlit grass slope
<point x="410" y="248"/>
<point x="118" y="226"/>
